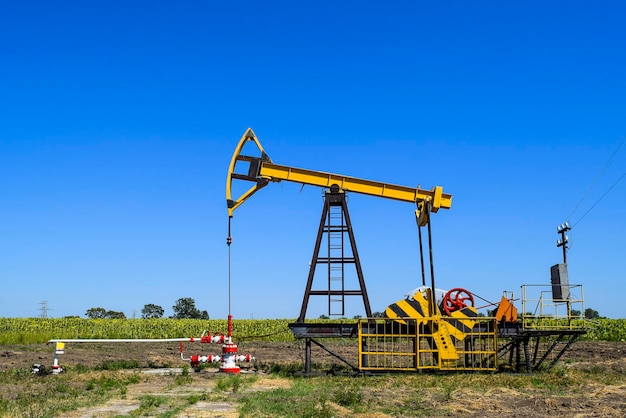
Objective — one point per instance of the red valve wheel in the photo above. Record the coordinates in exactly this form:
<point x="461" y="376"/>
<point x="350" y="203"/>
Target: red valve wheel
<point x="457" y="299"/>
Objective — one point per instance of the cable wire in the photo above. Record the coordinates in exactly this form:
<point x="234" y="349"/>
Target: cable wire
<point x="595" y="180"/>
<point x="229" y="280"/>
<point x="598" y="201"/>
<point x="229" y="241"/>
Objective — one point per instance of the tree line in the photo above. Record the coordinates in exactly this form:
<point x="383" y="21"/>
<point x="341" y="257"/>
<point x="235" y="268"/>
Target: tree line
<point x="184" y="308"/>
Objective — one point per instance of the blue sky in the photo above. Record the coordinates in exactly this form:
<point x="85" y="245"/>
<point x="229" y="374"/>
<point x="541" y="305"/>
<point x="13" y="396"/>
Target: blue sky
<point x="119" y="120"/>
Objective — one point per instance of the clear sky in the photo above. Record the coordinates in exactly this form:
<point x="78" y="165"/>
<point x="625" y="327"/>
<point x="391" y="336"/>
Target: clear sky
<point x="118" y="120"/>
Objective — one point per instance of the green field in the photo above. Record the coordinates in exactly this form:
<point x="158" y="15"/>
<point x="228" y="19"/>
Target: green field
<point x="40" y="330"/>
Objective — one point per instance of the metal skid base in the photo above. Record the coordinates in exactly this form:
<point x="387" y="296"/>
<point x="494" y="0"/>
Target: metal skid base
<point x="518" y="349"/>
<point x="312" y="332"/>
<point x="529" y="350"/>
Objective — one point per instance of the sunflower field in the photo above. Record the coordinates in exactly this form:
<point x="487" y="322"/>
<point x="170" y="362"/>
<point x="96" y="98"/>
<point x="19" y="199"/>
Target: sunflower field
<point x="41" y="330"/>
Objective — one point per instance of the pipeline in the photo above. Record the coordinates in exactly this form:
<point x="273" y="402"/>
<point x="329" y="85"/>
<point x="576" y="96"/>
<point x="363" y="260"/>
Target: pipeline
<point x="229" y="357"/>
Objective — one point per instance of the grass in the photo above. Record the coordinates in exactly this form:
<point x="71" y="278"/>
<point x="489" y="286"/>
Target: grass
<point x="281" y="393"/>
<point x="118" y="365"/>
<point x="234" y="383"/>
<point x="312" y="401"/>
<point x="419" y="395"/>
<point x="24" y="395"/>
<point x="149" y="405"/>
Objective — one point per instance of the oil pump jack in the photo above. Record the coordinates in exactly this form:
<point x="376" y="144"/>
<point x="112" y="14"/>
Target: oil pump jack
<point x="428" y="329"/>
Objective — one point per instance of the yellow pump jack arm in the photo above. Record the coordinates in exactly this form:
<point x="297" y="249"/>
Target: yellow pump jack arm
<point x="261" y="170"/>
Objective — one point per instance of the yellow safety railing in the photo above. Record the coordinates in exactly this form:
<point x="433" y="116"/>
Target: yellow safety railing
<point x="413" y="344"/>
<point x="541" y="311"/>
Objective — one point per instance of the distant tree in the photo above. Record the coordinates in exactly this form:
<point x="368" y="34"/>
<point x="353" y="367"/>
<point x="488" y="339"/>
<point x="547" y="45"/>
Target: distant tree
<point x="96" y="313"/>
<point x="591" y="313"/>
<point x="186" y="308"/>
<point x="575" y="312"/>
<point x="151" y="311"/>
<point x="101" y="313"/>
<point x="378" y="314"/>
<point x="357" y="317"/>
<point x="115" y="315"/>
<point x="324" y="316"/>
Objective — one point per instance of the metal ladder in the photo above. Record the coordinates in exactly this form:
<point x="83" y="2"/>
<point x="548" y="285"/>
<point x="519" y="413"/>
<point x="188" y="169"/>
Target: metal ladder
<point x="336" y="229"/>
<point x="335" y="224"/>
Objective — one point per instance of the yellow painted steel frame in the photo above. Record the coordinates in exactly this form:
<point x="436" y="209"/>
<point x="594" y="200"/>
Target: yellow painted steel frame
<point x="235" y="203"/>
<point x="268" y="171"/>
<point x="445" y="330"/>
<point x="541" y="312"/>
<point x="389" y="345"/>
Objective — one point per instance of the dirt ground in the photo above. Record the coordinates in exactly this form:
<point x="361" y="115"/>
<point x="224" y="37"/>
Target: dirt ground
<point x="155" y="355"/>
<point x="592" y="400"/>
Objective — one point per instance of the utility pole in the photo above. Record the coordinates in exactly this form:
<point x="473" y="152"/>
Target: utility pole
<point x="562" y="229"/>
<point x="558" y="273"/>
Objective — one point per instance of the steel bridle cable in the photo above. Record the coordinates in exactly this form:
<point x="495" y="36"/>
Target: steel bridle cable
<point x="229" y="241"/>
<point x="229" y="280"/>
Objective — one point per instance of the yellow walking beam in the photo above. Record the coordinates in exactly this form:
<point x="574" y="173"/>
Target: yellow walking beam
<point x="261" y="170"/>
<point x="275" y="172"/>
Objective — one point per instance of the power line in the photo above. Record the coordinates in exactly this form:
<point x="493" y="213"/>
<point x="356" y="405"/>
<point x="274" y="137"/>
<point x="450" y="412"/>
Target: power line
<point x="601" y="197"/>
<point x="595" y="180"/>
